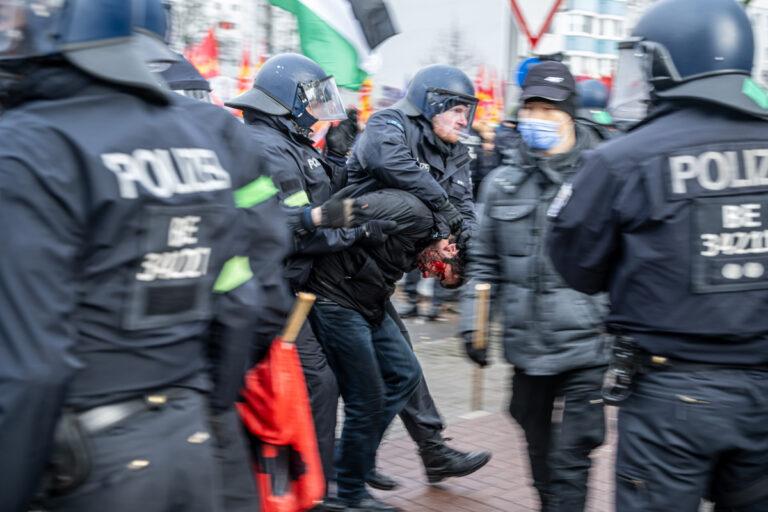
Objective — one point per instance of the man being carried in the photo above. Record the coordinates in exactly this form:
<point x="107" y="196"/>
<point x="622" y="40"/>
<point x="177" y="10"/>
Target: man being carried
<point x="375" y="368"/>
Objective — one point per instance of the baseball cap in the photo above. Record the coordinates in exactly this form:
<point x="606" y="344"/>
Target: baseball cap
<point x="549" y="80"/>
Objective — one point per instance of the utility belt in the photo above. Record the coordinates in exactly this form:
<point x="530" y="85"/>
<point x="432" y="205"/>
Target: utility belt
<point x="628" y="360"/>
<point x="70" y="462"/>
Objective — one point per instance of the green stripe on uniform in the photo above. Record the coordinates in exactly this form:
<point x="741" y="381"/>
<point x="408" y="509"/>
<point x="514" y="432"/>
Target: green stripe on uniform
<point x="255" y="192"/>
<point x="298" y="199"/>
<point x="236" y="272"/>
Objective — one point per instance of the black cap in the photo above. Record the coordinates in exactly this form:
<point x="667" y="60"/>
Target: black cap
<point x="549" y="80"/>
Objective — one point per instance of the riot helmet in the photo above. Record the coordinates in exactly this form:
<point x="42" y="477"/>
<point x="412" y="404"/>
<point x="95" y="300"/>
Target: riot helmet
<point x="150" y="26"/>
<point x="438" y="88"/>
<point x="592" y="100"/>
<point x="184" y="78"/>
<point x="96" y="37"/>
<point x="707" y="57"/>
<point x="293" y="85"/>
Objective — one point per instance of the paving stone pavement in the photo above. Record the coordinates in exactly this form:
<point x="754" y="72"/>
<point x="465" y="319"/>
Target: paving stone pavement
<point x="502" y="485"/>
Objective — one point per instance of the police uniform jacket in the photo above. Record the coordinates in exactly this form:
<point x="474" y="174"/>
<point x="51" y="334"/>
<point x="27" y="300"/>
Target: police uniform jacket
<point x="401" y="151"/>
<point x="117" y="214"/>
<point x="548" y="327"/>
<point x="303" y="178"/>
<point x="671" y="220"/>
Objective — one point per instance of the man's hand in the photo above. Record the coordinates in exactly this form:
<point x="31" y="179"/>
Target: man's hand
<point x="376" y="232"/>
<point x="334" y="213"/>
<point x="478" y="356"/>
<point x="452" y="216"/>
<point x="340" y="138"/>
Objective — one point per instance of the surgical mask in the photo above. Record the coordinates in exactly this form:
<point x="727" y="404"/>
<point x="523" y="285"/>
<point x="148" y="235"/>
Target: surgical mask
<point x="539" y="134"/>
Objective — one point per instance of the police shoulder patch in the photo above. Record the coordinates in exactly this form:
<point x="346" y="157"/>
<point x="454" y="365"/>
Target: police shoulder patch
<point x="560" y="200"/>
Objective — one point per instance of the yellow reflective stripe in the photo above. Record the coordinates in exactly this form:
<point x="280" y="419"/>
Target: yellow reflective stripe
<point x="257" y="191"/>
<point x="236" y="272"/>
<point x="297" y="199"/>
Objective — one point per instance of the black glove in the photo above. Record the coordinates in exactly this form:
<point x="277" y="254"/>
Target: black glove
<point x="340" y="138"/>
<point x="462" y="240"/>
<point x="452" y="216"/>
<point x="478" y="356"/>
<point x="336" y="213"/>
<point x="376" y="232"/>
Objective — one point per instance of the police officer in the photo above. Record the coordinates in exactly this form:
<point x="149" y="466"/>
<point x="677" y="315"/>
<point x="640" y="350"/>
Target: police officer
<point x="114" y="233"/>
<point x="414" y="146"/>
<point x="290" y="93"/>
<point x="552" y="334"/>
<point x="669" y="219"/>
<point x="592" y="101"/>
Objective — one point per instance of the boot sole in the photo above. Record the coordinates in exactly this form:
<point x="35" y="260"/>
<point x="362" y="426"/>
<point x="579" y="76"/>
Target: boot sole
<point x="437" y="477"/>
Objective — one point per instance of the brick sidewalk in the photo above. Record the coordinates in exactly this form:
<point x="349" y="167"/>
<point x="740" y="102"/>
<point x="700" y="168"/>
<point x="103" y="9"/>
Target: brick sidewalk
<point x="502" y="485"/>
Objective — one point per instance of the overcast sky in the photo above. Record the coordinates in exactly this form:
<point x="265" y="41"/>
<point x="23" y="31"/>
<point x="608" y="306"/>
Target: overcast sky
<point x="484" y="23"/>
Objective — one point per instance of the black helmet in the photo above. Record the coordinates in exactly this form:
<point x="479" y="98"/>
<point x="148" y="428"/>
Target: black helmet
<point x="150" y="24"/>
<point x="184" y="78"/>
<point x="707" y="57"/>
<point x="591" y="94"/>
<point x="293" y="85"/>
<point x="96" y="37"/>
<point x="437" y="88"/>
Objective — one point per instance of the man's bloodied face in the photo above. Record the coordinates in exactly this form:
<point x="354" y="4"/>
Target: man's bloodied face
<point x="436" y="260"/>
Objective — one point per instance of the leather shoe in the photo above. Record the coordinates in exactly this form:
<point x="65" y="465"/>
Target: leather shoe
<point x="371" y="504"/>
<point x="380" y="481"/>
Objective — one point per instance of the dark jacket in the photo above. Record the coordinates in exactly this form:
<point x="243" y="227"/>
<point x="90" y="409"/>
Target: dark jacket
<point x="363" y="277"/>
<point x="548" y="328"/>
<point x="303" y="178"/>
<point x="398" y="150"/>
<point x="117" y="214"/>
<point x="670" y="220"/>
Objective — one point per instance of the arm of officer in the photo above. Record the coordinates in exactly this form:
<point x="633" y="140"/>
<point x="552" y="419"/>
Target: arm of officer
<point x="484" y="262"/>
<point x="584" y="237"/>
<point x="464" y="201"/>
<point x="38" y="293"/>
<point x="383" y="151"/>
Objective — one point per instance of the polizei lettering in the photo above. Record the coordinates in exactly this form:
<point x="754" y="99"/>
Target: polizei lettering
<point x="164" y="173"/>
<point x="715" y="172"/>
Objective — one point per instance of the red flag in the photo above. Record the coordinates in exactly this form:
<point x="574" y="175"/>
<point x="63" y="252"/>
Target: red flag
<point x="205" y="56"/>
<point x="276" y="411"/>
<point x="245" y="75"/>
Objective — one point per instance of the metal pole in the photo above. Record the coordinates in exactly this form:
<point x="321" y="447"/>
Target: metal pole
<point x="268" y="28"/>
<point x="509" y="78"/>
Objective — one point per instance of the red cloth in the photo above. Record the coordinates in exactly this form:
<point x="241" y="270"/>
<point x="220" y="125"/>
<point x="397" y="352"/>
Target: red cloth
<point x="276" y="410"/>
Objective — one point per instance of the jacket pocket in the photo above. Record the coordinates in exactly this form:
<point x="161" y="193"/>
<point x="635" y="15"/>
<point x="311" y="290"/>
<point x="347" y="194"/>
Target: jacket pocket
<point x="516" y="232"/>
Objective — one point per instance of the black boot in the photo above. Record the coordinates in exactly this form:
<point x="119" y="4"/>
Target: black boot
<point x="441" y="461"/>
<point x="380" y="481"/>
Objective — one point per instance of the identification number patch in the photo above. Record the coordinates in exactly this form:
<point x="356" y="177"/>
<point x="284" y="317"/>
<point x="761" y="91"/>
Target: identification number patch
<point x="730" y="244"/>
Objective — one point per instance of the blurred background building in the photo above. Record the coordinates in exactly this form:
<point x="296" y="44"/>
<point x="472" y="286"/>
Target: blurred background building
<point x="231" y="37"/>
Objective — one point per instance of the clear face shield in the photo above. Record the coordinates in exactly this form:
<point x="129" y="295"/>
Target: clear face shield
<point x="451" y="111"/>
<point x="323" y="100"/>
<point x="631" y="88"/>
<point x="195" y="94"/>
<point x="13" y="20"/>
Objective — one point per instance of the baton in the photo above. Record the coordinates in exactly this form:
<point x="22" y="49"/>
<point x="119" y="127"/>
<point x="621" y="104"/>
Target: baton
<point x="298" y="316"/>
<point x="480" y="340"/>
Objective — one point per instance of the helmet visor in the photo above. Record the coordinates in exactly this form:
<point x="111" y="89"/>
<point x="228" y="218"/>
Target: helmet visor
<point x="632" y="91"/>
<point x="196" y="94"/>
<point x="16" y="18"/>
<point x="459" y="109"/>
<point x="323" y="100"/>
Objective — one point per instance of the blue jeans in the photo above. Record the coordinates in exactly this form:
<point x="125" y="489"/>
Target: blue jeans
<point x="376" y="372"/>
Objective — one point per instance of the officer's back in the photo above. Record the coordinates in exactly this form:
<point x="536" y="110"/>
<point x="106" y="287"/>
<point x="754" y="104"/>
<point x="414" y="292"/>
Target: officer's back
<point x="116" y="214"/>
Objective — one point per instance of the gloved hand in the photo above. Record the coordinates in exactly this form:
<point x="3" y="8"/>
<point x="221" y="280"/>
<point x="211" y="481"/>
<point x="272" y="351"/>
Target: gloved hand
<point x="335" y="213"/>
<point x="462" y="240"/>
<point x="451" y="215"/>
<point x="478" y="356"/>
<point x="376" y="232"/>
<point x="340" y="138"/>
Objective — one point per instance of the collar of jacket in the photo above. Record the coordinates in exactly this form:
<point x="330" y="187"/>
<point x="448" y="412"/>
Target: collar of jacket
<point x="280" y="123"/>
<point x="55" y="79"/>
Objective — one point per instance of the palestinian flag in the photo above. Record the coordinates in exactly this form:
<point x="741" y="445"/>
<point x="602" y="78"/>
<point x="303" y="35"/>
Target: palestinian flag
<point x="340" y="34"/>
